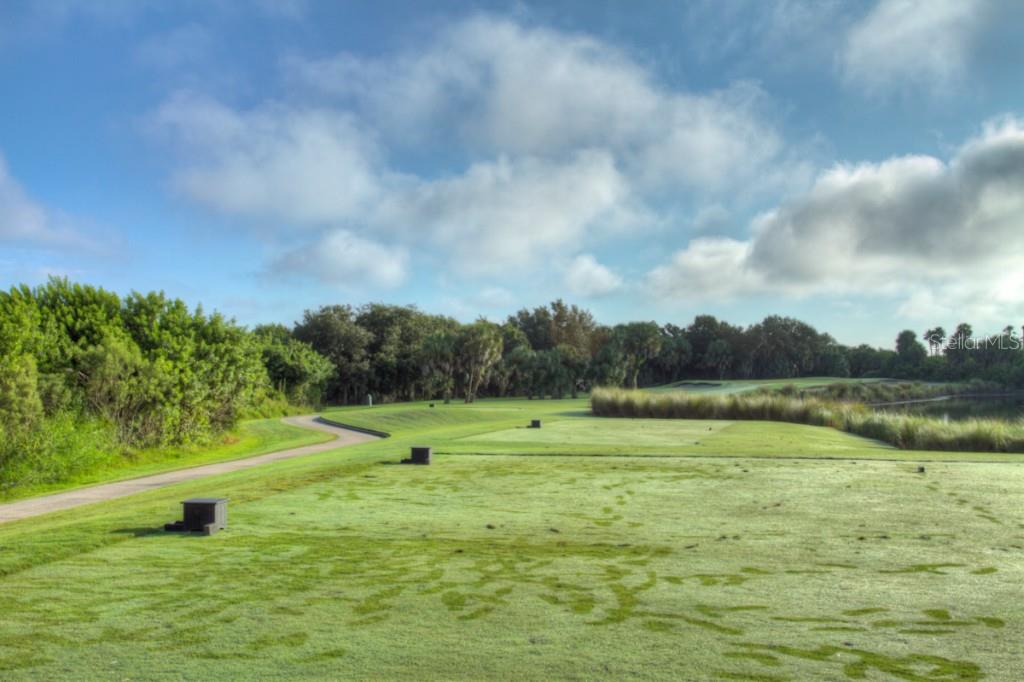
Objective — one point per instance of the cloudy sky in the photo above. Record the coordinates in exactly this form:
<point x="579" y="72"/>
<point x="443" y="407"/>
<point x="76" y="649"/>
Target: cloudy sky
<point x="859" y="165"/>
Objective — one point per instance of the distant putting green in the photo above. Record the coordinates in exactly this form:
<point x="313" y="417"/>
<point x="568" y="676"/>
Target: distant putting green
<point x="741" y="563"/>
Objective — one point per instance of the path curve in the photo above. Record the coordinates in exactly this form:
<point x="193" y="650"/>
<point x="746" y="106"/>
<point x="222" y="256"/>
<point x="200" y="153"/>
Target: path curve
<point x="35" y="506"/>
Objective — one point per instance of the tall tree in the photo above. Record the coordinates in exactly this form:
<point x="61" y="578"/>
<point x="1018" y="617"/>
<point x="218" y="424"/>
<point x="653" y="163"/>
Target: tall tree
<point x="439" y="359"/>
<point x="503" y="373"/>
<point x="719" y="357"/>
<point x="332" y="331"/>
<point x="910" y="355"/>
<point x="571" y="326"/>
<point x="639" y="342"/>
<point x="293" y="367"/>
<point x="675" y="355"/>
<point x="575" y="364"/>
<point x="479" y="348"/>
<point x="958" y="350"/>
<point x="935" y="337"/>
<point x="536" y="324"/>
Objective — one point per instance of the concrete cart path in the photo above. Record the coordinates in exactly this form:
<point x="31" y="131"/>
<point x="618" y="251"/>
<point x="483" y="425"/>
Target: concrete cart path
<point x="35" y="506"/>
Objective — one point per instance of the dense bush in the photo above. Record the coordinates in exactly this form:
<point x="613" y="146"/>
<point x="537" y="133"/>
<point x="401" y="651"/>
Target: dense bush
<point x="904" y="431"/>
<point x="63" y="446"/>
<point x="156" y="371"/>
<point x="86" y="375"/>
<point x="296" y="371"/>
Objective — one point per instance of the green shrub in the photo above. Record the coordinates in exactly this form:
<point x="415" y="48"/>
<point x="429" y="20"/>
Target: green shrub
<point x="62" y="447"/>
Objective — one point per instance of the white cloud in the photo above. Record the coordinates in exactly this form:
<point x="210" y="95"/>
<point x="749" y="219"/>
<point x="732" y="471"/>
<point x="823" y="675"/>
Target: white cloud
<point x="502" y="88"/>
<point x="309" y="166"/>
<point x="920" y="43"/>
<point x="915" y="228"/>
<point x="555" y="140"/>
<point x="708" y="268"/>
<point x="782" y="35"/>
<point x="25" y="221"/>
<point x="586" y="277"/>
<point x="510" y="213"/>
<point x="319" y="169"/>
<point x="346" y="259"/>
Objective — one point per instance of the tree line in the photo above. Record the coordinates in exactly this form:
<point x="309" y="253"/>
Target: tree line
<point x="401" y="353"/>
<point x="83" y="370"/>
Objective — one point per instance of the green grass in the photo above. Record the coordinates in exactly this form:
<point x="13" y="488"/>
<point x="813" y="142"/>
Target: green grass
<point x="251" y="438"/>
<point x="766" y="564"/>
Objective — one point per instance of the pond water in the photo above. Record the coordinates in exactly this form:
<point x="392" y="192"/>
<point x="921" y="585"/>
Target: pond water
<point x="955" y="409"/>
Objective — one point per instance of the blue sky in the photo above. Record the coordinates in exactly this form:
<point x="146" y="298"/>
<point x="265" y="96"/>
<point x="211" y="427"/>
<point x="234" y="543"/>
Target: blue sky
<point x="859" y="165"/>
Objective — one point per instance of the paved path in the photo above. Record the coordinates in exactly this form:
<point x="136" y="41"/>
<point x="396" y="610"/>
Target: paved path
<point x="35" y="506"/>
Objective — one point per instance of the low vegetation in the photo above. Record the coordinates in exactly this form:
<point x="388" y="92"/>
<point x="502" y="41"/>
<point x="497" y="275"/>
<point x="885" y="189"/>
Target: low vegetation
<point x="907" y="432"/>
<point x="107" y="462"/>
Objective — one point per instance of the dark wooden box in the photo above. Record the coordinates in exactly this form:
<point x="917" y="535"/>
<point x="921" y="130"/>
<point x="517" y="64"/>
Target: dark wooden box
<point x="206" y="514"/>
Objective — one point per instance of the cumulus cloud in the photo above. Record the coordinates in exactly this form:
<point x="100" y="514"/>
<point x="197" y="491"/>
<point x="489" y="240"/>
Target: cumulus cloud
<point x="919" y="43"/>
<point x="504" y="88"/>
<point x="914" y="227"/>
<point x="708" y="268"/>
<point x="304" y="166"/>
<point x="586" y="277"/>
<point x="317" y="169"/>
<point x="554" y="140"/>
<point x="512" y="212"/>
<point x="343" y="258"/>
<point x="780" y="35"/>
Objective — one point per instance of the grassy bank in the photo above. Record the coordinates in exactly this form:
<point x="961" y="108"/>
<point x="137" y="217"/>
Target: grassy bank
<point x="907" y="432"/>
<point x="251" y="438"/>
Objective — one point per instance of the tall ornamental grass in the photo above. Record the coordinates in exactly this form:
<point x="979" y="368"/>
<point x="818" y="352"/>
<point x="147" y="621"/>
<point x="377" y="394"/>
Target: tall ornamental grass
<point x="907" y="432"/>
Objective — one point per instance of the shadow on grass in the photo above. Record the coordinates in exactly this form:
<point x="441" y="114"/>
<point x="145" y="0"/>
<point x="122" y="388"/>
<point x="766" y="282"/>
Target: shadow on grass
<point x="141" y="532"/>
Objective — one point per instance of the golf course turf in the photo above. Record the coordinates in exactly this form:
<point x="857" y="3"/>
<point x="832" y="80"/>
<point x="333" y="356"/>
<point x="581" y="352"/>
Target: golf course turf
<point x="587" y="548"/>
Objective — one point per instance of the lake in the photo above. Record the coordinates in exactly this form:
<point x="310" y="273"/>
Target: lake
<point x="960" y="408"/>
